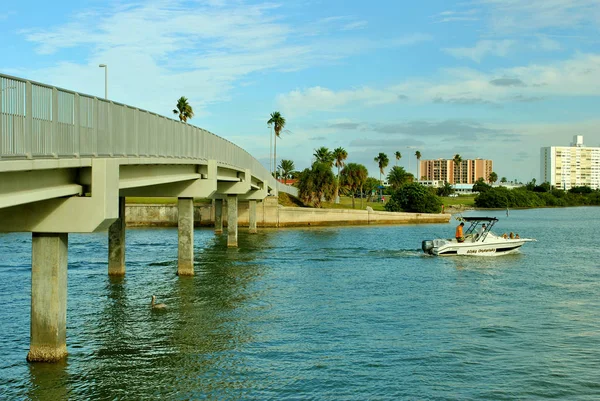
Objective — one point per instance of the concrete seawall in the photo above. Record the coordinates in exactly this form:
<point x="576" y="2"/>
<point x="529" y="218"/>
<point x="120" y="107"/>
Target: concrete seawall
<point x="270" y="214"/>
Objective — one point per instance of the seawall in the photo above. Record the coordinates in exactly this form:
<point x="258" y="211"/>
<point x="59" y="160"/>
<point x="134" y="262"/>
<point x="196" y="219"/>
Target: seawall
<point x="270" y="214"/>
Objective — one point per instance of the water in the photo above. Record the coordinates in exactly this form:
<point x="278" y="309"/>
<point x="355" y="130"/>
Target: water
<point x="350" y="313"/>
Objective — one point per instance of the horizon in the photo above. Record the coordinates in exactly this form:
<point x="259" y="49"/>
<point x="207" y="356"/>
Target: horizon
<point x="489" y="79"/>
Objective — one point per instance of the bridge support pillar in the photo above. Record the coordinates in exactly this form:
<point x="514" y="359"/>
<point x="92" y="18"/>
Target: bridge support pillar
<point x="116" y="243"/>
<point x="185" y="226"/>
<point x="48" y="341"/>
<point x="218" y="216"/>
<point x="252" y="216"/>
<point x="232" y="221"/>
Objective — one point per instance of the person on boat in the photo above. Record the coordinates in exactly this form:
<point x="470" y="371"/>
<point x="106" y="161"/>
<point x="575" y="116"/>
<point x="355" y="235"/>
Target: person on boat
<point x="517" y="236"/>
<point x="511" y="235"/>
<point x="460" y="237"/>
<point x="480" y="231"/>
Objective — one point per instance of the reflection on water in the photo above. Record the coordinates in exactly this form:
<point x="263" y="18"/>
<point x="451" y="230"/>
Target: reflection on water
<point x="348" y="313"/>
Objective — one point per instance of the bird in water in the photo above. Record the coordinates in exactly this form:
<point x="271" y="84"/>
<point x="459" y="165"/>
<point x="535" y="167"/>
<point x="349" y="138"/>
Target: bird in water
<point x="155" y="305"/>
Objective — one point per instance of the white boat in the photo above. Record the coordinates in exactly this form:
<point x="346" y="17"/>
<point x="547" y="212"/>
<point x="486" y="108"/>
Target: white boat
<point x="477" y="242"/>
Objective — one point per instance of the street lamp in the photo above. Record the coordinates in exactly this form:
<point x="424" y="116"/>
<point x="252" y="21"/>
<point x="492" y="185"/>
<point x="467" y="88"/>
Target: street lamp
<point x="105" y="79"/>
<point x="410" y="147"/>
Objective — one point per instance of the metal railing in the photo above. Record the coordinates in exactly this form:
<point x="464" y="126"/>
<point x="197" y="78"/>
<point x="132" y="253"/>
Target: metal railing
<point x="39" y="121"/>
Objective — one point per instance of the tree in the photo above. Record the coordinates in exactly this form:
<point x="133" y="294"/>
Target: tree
<point x="323" y="155"/>
<point x="278" y="122"/>
<point x="370" y="186"/>
<point x="398" y="177"/>
<point x="382" y="162"/>
<point x="354" y="177"/>
<point x="286" y="167"/>
<point x="414" y="197"/>
<point x="316" y="184"/>
<point x="481" y="186"/>
<point x="493" y="177"/>
<point x="445" y="190"/>
<point x="339" y="155"/>
<point x="398" y="156"/>
<point x="183" y="109"/>
<point x="457" y="161"/>
<point x="503" y="180"/>
<point x="418" y="155"/>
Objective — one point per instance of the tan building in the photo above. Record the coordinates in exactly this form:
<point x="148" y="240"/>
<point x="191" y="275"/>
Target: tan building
<point x="566" y="167"/>
<point x="466" y="172"/>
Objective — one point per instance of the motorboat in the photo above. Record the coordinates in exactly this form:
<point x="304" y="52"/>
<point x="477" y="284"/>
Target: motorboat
<point x="479" y="241"/>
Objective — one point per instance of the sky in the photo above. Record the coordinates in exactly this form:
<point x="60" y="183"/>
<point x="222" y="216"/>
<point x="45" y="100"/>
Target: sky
<point x="492" y="79"/>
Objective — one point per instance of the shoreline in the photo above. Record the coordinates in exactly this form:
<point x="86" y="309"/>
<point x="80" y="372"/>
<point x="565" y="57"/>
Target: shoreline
<point x="270" y="214"/>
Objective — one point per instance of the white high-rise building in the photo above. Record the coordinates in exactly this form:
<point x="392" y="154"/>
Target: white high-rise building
<point x="566" y="167"/>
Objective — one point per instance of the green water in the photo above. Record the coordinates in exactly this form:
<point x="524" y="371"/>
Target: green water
<point x="350" y="313"/>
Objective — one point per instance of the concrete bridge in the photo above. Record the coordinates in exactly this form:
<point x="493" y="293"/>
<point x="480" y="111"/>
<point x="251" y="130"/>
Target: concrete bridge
<point x="67" y="162"/>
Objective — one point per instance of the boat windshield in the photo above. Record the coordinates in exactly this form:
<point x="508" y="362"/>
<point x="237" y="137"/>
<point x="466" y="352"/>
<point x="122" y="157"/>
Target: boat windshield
<point x="475" y="223"/>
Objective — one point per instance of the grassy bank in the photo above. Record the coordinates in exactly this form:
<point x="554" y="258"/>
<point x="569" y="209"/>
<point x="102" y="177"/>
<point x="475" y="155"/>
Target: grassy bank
<point x="464" y="200"/>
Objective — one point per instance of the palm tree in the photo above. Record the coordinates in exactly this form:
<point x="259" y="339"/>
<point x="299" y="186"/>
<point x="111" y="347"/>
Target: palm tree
<point x="382" y="162"/>
<point x="493" y="177"/>
<point x="398" y="156"/>
<point x="183" y="109"/>
<point x="286" y="167"/>
<point x="323" y="155"/>
<point x="339" y="155"/>
<point x="457" y="161"/>
<point x="418" y="155"/>
<point x="503" y="180"/>
<point x="353" y="177"/>
<point x="398" y="177"/>
<point x="278" y="122"/>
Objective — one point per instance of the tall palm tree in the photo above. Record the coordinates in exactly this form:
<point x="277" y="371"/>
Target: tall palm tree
<point x="418" y="155"/>
<point x="398" y="156"/>
<point x="339" y="155"/>
<point x="493" y="177"/>
<point x="382" y="162"/>
<point x="184" y="110"/>
<point x="457" y="161"/>
<point x="324" y="155"/>
<point x="278" y="122"/>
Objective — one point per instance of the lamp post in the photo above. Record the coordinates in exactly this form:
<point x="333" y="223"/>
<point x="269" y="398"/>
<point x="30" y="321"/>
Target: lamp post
<point x="410" y="147"/>
<point x="105" y="79"/>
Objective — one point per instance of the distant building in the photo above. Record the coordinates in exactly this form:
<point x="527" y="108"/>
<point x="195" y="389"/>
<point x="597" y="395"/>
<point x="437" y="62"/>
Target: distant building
<point x="566" y="167"/>
<point x="432" y="183"/>
<point x="466" y="172"/>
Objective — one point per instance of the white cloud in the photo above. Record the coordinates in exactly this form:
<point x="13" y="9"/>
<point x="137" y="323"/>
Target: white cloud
<point x="482" y="49"/>
<point x="578" y="76"/>
<point x="512" y="16"/>
<point x="354" y="25"/>
<point x="452" y="16"/>
<point x="162" y="49"/>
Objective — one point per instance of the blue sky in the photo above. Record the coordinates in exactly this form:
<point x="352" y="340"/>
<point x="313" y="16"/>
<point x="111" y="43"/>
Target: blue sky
<point x="495" y="79"/>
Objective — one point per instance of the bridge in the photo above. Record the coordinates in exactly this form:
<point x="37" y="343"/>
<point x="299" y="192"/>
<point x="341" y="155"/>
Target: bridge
<point x="69" y="160"/>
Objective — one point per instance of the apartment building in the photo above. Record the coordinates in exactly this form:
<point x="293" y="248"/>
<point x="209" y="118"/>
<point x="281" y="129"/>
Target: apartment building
<point x="467" y="172"/>
<point x="571" y="166"/>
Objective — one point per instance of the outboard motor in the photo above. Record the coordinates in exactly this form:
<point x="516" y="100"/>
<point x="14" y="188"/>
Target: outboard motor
<point x="427" y="246"/>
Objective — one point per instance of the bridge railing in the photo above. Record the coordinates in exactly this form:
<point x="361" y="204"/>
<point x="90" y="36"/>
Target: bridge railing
<point x="39" y="121"/>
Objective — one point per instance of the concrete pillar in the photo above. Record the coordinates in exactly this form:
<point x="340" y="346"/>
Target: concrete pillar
<point x="116" y="243"/>
<point x="48" y="342"/>
<point x="218" y="216"/>
<point x="232" y="221"/>
<point x="252" y="216"/>
<point x="185" y="226"/>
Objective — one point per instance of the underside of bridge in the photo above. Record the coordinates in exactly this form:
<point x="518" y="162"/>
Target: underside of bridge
<point x="84" y="196"/>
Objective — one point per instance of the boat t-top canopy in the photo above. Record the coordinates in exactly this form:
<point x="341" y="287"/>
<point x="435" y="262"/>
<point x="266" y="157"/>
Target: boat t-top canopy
<point x="479" y="219"/>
